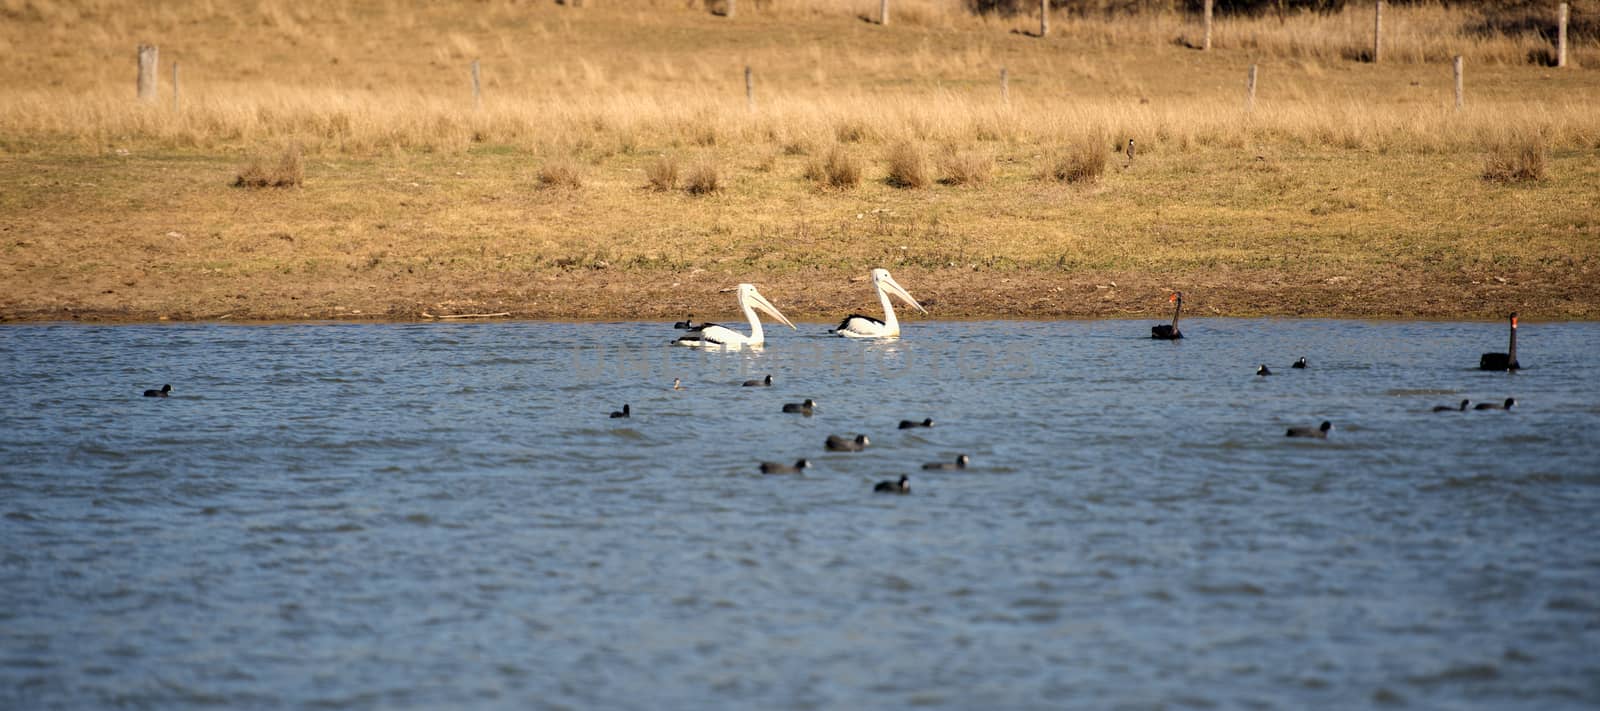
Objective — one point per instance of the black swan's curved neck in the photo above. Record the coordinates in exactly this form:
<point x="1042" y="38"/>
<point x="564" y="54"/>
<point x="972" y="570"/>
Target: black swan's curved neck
<point x="1179" y="311"/>
<point x="1511" y="350"/>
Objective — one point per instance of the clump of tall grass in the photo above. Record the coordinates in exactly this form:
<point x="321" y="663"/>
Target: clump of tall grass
<point x="838" y="169"/>
<point x="703" y="179"/>
<point x="288" y="172"/>
<point x="560" y="173"/>
<point x="1518" y="160"/>
<point x="662" y="173"/>
<point x="1081" y="161"/>
<point x="908" y="167"/>
<point x="852" y="130"/>
<point x="966" y="167"/>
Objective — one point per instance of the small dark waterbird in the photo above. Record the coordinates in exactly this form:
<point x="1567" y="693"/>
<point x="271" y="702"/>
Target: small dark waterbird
<point x="1299" y="363"/>
<point x="1508" y="404"/>
<point x="909" y="424"/>
<point x="835" y="443"/>
<point x="165" y="389"/>
<point x="1313" y="432"/>
<point x="1170" y="332"/>
<point x="804" y="408"/>
<point x="1503" y="361"/>
<point x="624" y="412"/>
<point x="894" y="487"/>
<point x="776" y="468"/>
<point x="1263" y="370"/>
<point x="959" y="463"/>
<point x="762" y="383"/>
<point x="1448" y="408"/>
<point x="687" y="324"/>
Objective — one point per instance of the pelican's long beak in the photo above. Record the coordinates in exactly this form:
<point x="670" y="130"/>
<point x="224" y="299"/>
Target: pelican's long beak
<point x="760" y="302"/>
<point x="894" y="287"/>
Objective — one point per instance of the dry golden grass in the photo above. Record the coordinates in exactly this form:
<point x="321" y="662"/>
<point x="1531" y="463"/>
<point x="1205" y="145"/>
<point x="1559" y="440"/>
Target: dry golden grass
<point x="561" y="173"/>
<point x="704" y="178"/>
<point x="908" y="166"/>
<point x="662" y="173"/>
<point x="966" y="167"/>
<point x="838" y="169"/>
<point x="1518" y="160"/>
<point x="1349" y="188"/>
<point x="1081" y="161"/>
<point x="288" y="171"/>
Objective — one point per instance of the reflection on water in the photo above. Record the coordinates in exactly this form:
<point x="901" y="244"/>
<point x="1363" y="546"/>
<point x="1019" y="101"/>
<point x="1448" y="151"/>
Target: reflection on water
<point x="383" y="516"/>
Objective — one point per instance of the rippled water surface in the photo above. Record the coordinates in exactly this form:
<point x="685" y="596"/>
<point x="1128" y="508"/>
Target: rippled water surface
<point x="443" y="516"/>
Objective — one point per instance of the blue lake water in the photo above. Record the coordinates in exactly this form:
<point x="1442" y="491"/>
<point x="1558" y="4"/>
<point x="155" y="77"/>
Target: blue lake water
<point x="444" y="516"/>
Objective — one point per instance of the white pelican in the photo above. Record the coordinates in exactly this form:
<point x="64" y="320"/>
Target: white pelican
<point x="858" y="326"/>
<point x="710" y="335"/>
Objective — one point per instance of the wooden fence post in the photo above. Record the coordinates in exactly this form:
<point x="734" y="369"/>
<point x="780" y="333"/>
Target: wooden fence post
<point x="1250" y="90"/>
<point x="1044" y="18"/>
<point x="1206" y="44"/>
<point x="749" y="88"/>
<point x="477" y="88"/>
<point x="1377" y="32"/>
<point x="883" y="12"/>
<point x="1005" y="88"/>
<point x="175" y="92"/>
<point x="1561" y="35"/>
<point x="1460" y="100"/>
<point x="147" y="73"/>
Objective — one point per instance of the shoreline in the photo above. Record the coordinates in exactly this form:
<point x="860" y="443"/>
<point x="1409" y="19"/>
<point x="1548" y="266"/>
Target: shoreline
<point x="589" y="296"/>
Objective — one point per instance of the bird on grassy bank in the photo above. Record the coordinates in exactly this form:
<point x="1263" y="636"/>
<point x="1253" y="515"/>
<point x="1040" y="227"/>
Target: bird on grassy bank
<point x="1263" y="370"/>
<point x="1447" y="408"/>
<point x="762" y="383"/>
<point x="859" y="326"/>
<point x="687" y="324"/>
<point x="910" y="424"/>
<point x="959" y="463"/>
<point x="835" y="443"/>
<point x="804" y="408"/>
<point x="1170" y="332"/>
<point x="1313" y="432"/>
<point x="624" y="412"/>
<point x="1508" y="404"/>
<point x="894" y="487"/>
<point x="710" y="335"/>
<point x="1299" y="363"/>
<point x="1503" y="361"/>
<point x="163" y="392"/>
<point x="776" y="468"/>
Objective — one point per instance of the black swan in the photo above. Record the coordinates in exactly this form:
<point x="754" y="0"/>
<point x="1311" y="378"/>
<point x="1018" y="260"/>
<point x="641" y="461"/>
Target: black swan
<point x="1503" y="361"/>
<point x="1166" y="332"/>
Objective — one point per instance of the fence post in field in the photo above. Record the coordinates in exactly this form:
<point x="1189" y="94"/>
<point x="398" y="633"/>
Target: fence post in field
<point x="1044" y="18"/>
<point x="175" y="92"/>
<point x="883" y="12"/>
<point x="1005" y="86"/>
<point x="749" y="88"/>
<point x="147" y="73"/>
<point x="1206" y="44"/>
<point x="1561" y="35"/>
<point x="1377" y="32"/>
<point x="477" y="90"/>
<point x="1250" y="90"/>
<point x="1459" y="97"/>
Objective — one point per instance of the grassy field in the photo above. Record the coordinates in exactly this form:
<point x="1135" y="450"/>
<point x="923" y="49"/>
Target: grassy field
<point x="1347" y="188"/>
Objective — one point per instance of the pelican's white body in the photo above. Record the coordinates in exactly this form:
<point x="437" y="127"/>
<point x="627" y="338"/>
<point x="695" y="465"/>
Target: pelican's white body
<point x="858" y="326"/>
<point x="714" y="336"/>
